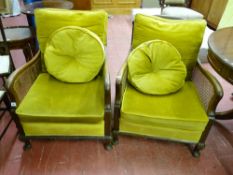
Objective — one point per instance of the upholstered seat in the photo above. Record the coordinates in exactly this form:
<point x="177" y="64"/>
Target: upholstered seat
<point x="66" y="102"/>
<point x="148" y="111"/>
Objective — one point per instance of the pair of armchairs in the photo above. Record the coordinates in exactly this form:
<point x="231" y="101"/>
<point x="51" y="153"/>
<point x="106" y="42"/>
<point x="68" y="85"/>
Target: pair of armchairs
<point x="55" y="100"/>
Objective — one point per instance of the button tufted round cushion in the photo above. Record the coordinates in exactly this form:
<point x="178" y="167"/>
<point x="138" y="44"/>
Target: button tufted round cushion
<point x="155" y="67"/>
<point x="74" y="54"/>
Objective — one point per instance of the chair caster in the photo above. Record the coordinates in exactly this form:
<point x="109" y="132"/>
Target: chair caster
<point x="196" y="150"/>
<point x="27" y="146"/>
<point x="115" y="142"/>
<point x="108" y="146"/>
<point x="196" y="153"/>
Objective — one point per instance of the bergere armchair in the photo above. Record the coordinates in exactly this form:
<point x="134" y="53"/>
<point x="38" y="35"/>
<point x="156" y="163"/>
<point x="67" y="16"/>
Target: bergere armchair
<point x="64" y="91"/>
<point x="161" y="90"/>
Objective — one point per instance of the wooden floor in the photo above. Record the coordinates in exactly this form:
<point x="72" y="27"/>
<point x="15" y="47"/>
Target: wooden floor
<point x="132" y="156"/>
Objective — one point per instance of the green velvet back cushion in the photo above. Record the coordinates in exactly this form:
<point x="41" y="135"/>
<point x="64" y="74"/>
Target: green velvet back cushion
<point x="74" y="54"/>
<point x="185" y="35"/>
<point x="155" y="67"/>
<point x="49" y="20"/>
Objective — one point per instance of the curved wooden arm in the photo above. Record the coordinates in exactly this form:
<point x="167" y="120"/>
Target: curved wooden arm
<point x="121" y="83"/>
<point x="107" y="86"/>
<point x="120" y="88"/>
<point x="107" y="100"/>
<point x="20" y="81"/>
<point x="209" y="89"/>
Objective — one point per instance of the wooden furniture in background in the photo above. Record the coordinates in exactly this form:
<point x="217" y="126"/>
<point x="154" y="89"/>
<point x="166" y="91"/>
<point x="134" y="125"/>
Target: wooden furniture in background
<point x="4" y="72"/>
<point x="3" y="98"/>
<point x="185" y="3"/>
<point x="28" y="9"/>
<point x="4" y="6"/>
<point x="201" y="6"/>
<point x="116" y="6"/>
<point x="221" y="58"/>
<point x="17" y="37"/>
<point x="211" y="9"/>
<point x="81" y="4"/>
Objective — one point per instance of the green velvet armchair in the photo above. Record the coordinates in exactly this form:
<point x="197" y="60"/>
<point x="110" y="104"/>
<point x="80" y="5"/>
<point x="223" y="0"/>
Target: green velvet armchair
<point x="184" y="116"/>
<point x="53" y="99"/>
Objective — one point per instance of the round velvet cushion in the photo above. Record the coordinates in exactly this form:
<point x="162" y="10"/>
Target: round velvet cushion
<point x="74" y="54"/>
<point x="155" y="67"/>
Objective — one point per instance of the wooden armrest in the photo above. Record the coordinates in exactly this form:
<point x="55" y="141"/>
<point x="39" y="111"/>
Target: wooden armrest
<point x="121" y="83"/>
<point x="107" y="86"/>
<point x="209" y="89"/>
<point x="20" y="81"/>
<point x="107" y="100"/>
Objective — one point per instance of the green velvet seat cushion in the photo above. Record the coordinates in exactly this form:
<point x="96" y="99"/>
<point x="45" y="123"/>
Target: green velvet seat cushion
<point x="50" y="100"/>
<point x="185" y="35"/>
<point x="178" y="111"/>
<point x="155" y="67"/>
<point x="50" y="20"/>
<point x="74" y="54"/>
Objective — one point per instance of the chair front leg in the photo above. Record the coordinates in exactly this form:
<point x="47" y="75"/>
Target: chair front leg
<point x="121" y="81"/>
